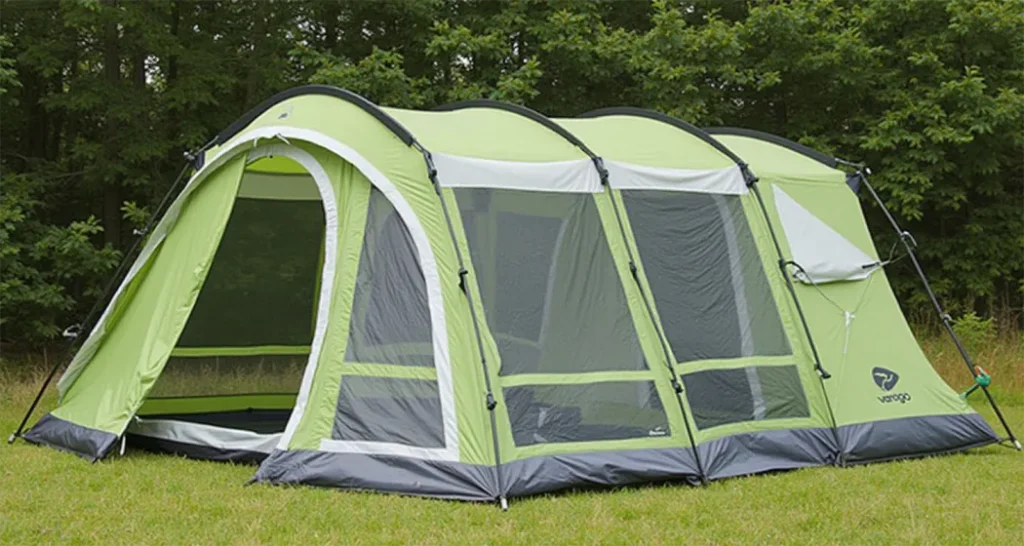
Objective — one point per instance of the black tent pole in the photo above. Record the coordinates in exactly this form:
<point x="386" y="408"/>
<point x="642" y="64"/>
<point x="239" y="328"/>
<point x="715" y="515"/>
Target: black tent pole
<point x="91" y="315"/>
<point x="823" y="374"/>
<point x="491" y="403"/>
<point x="909" y="244"/>
<point x="634" y="272"/>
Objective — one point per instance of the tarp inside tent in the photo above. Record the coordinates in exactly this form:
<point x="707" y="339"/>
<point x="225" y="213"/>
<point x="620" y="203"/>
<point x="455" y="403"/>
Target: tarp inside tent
<point x="480" y="302"/>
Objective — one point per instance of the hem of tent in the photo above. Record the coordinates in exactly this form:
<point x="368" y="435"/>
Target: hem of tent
<point x="599" y="469"/>
<point x="470" y="482"/>
<point x="194" y="451"/>
<point x="757" y="452"/>
<point x="379" y="473"/>
<point x="89" y="443"/>
<point x="911" y="437"/>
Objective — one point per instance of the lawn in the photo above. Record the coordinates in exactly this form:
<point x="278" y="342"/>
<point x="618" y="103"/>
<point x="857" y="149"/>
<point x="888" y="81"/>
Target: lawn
<point x="972" y="498"/>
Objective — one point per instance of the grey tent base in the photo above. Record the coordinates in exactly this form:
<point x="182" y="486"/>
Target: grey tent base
<point x="538" y="475"/>
<point x="732" y="456"/>
<point x="389" y="474"/>
<point x="911" y="437"/>
<point x="88" y="443"/>
<point x="757" y="452"/>
<point x="727" y="457"/>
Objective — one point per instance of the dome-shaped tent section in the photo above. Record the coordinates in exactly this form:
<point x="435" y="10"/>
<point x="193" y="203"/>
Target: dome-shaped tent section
<point x="727" y="322"/>
<point x="887" y="399"/>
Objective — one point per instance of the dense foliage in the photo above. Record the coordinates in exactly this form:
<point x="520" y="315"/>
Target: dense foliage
<point x="99" y="99"/>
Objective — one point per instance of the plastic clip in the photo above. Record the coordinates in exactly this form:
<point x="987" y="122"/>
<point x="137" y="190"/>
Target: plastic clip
<point x="981" y="380"/>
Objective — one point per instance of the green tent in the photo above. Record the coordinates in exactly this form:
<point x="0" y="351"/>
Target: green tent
<point x="479" y="302"/>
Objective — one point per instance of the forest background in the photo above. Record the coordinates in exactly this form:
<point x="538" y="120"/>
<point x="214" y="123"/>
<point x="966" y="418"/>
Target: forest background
<point x="99" y="100"/>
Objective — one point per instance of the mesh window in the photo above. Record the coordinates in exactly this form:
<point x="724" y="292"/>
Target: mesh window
<point x="390" y="317"/>
<point x="262" y="286"/>
<point x="720" y="397"/>
<point x="542" y="414"/>
<point x="261" y="290"/>
<point x="550" y="291"/>
<point x="380" y="409"/>
<point x="210" y="375"/>
<point x="705" y="275"/>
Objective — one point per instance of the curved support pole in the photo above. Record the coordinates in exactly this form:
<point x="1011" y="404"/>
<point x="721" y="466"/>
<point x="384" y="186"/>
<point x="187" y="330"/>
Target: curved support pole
<point x="822" y="373"/>
<point x="490" y="401"/>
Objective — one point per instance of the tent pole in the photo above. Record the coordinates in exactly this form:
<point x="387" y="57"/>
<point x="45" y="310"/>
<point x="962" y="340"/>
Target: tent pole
<point x="947" y="321"/>
<point x="490" y="400"/>
<point x="98" y="304"/>
<point x="676" y="385"/>
<point x="822" y="373"/>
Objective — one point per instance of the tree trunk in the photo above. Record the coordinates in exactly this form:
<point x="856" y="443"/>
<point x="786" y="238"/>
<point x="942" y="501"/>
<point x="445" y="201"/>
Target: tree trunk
<point x="112" y="187"/>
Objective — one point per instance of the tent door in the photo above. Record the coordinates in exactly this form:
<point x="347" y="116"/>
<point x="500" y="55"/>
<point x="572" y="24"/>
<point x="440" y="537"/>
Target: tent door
<point x="230" y="385"/>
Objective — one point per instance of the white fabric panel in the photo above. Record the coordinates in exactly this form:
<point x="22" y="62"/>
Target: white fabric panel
<point x="629" y="176"/>
<point x="204" y="435"/>
<point x="576" y="176"/>
<point x="825" y="255"/>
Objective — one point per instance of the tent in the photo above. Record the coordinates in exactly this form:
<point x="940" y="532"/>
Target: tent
<point x="480" y="302"/>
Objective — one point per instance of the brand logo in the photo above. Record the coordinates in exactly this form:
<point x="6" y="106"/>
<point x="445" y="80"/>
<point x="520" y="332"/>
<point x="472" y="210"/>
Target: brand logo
<point x="886" y="380"/>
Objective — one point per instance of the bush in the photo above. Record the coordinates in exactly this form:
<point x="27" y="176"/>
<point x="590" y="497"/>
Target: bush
<point x="976" y="333"/>
<point x="45" y="268"/>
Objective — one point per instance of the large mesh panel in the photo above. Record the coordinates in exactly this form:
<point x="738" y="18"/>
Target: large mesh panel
<point x="705" y="275"/>
<point x="261" y="288"/>
<point x="252" y="324"/>
<point x="384" y="409"/>
<point x="550" y="291"/>
<point x="613" y="410"/>
<point x="390" y="317"/>
<point x="390" y="326"/>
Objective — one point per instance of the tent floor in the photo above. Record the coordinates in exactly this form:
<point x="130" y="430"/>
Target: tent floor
<point x="260" y="421"/>
<point x="244" y="435"/>
<point x="193" y="451"/>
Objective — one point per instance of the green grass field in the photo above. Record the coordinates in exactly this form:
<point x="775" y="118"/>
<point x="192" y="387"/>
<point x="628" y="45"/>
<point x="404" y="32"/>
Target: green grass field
<point x="47" y="497"/>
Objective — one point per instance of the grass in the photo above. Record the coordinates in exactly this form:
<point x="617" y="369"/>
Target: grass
<point x="47" y="497"/>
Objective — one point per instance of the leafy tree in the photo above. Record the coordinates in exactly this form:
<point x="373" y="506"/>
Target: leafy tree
<point x="100" y="98"/>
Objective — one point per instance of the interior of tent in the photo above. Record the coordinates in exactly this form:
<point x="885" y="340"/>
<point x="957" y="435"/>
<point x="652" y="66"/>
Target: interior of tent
<point x="239" y="361"/>
<point x="238" y="364"/>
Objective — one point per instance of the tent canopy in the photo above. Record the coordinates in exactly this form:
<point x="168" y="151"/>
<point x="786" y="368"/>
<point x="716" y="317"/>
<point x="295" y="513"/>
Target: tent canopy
<point x="480" y="302"/>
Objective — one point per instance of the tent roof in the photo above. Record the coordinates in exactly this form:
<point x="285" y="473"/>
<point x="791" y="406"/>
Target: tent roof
<point x="644" y="137"/>
<point x="490" y="130"/>
<point x="494" y="130"/>
<point x="774" y="156"/>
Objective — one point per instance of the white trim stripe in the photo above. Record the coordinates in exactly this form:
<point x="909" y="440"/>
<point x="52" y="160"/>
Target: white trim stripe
<point x="323" y="312"/>
<point x="385" y="448"/>
<point x="204" y="435"/>
<point x="576" y="176"/>
<point x="629" y="176"/>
